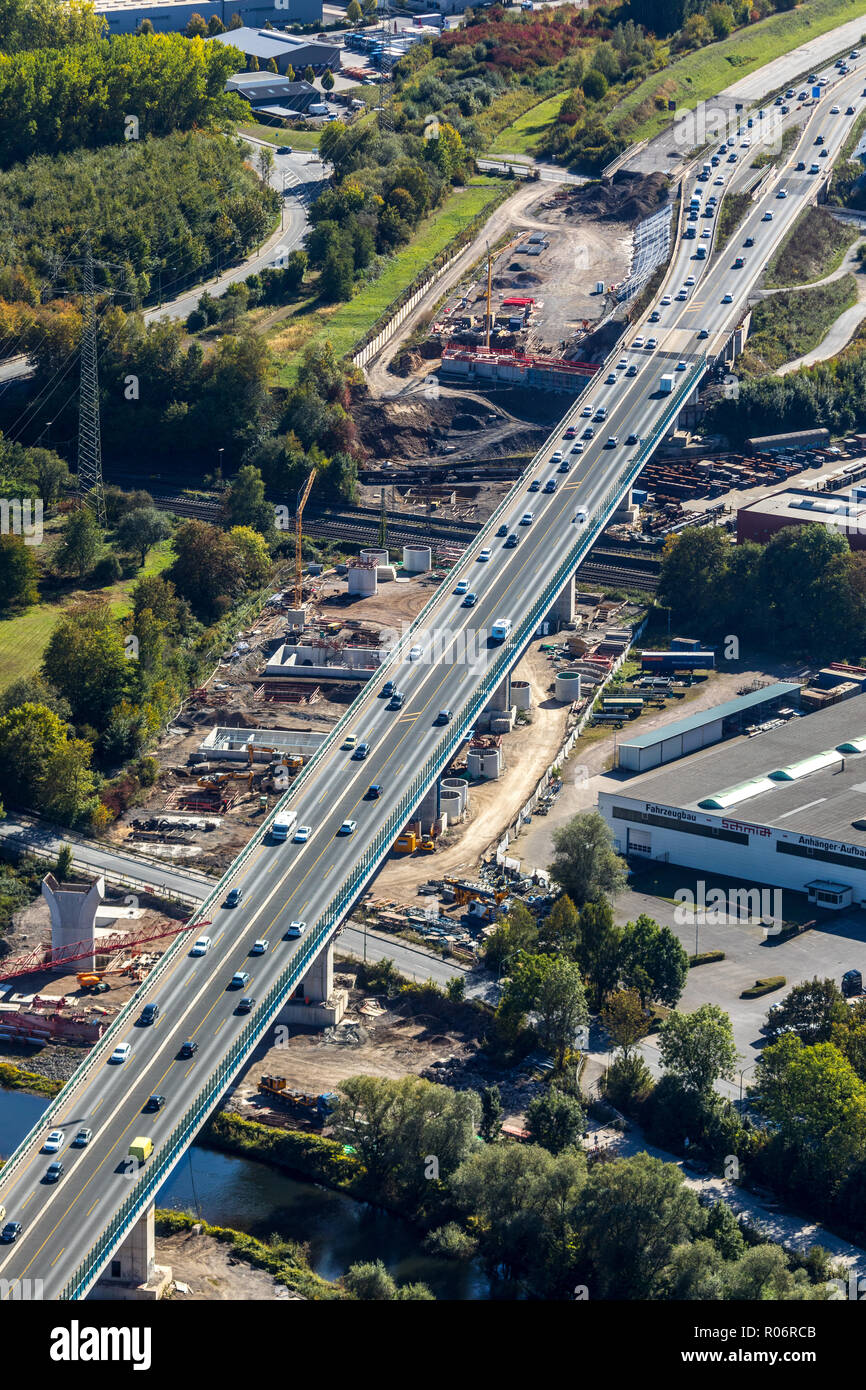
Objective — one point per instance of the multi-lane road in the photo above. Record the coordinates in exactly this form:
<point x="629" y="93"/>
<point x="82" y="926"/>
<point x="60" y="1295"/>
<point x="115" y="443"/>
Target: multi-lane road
<point x="453" y="657"/>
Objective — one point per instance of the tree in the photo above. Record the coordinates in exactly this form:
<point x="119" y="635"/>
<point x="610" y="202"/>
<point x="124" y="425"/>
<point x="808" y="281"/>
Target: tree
<point x="34" y="690"/>
<point x="624" y="1019"/>
<point x="692" y="570"/>
<point x="327" y="80"/>
<point x="585" y="864"/>
<point x="142" y="528"/>
<point x="244" y="503"/>
<point x="265" y="161"/>
<point x="600" y="949"/>
<point x="196" y="27"/>
<point x="207" y="569"/>
<point x="40" y="766"/>
<point x="632" y="1213"/>
<point x="594" y="85"/>
<point x="252" y="63"/>
<point x="373" y="1284"/>
<point x="762" y="1274"/>
<point x="79" y="544"/>
<point x="254" y="557"/>
<point x="354" y="13"/>
<point x="818" y="1104"/>
<point x="215" y="26"/>
<point x="810" y="1010"/>
<point x="272" y="67"/>
<point x="699" y="1047"/>
<point x="555" y="1120"/>
<point x="552" y="987"/>
<point x="236" y="21"/>
<point x="86" y="662"/>
<point x="48" y="474"/>
<point x="63" y="864"/>
<point x="490" y="1126"/>
<point x="18" y="574"/>
<point x="517" y="931"/>
<point x="145" y="27"/>
<point x="653" y="961"/>
<point x="309" y="74"/>
<point x="559" y="931"/>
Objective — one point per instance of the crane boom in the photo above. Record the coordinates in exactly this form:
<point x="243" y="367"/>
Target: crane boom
<point x="299" y="516"/>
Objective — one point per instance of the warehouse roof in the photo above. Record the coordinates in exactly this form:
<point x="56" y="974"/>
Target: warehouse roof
<point x="780" y="690"/>
<point x="267" y="43"/>
<point x="819" y="786"/>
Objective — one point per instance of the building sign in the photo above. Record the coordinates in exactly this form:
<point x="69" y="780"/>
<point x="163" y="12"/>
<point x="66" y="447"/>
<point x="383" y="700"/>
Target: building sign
<point x="831" y="846"/>
<point x="674" y="815"/>
<point x="749" y="829"/>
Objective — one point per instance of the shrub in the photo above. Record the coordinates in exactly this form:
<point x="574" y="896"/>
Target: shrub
<point x="763" y="987"/>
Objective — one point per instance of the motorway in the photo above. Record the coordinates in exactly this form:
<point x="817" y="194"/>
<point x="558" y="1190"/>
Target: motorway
<point x="282" y="882"/>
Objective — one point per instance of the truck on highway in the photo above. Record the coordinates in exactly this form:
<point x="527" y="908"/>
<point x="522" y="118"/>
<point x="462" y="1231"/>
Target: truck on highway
<point x="284" y="826"/>
<point x="666" y="384"/>
<point x="500" y="629"/>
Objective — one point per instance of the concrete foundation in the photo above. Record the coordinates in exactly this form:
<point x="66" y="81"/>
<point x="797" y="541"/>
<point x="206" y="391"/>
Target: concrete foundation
<point x="317" y="1003"/>
<point x="132" y="1272"/>
<point x="521" y="694"/>
<point x="568" y="685"/>
<point x="484" y="762"/>
<point x="297" y="617"/>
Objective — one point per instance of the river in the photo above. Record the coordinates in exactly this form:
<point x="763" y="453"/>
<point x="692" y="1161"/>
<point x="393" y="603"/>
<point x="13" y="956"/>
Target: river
<point x="253" y="1197"/>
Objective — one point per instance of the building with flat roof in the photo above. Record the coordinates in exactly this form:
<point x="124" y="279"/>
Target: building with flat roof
<point x="793" y="439"/>
<point x="273" y="95"/>
<point x="172" y="16"/>
<point x="787" y="808"/>
<point x="840" y="511"/>
<point x="287" y="50"/>
<point x="700" y="730"/>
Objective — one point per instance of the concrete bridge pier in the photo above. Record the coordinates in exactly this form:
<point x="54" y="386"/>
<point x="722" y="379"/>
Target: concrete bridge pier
<point x="132" y="1272"/>
<point x="316" y="1002"/>
<point x="562" y="612"/>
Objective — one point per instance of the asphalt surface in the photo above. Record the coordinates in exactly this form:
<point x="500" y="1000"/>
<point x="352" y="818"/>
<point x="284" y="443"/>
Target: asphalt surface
<point x="282" y="882"/>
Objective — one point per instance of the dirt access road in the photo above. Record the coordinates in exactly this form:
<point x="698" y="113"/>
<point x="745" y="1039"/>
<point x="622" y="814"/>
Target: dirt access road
<point x="529" y="751"/>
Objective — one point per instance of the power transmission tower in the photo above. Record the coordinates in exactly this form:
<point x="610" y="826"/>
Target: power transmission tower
<point x="90" y="488"/>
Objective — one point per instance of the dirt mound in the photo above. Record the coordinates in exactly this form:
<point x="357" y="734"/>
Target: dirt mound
<point x="627" y="197"/>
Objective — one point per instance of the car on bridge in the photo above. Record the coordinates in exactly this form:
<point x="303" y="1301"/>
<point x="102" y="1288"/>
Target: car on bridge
<point x="535" y="485"/>
<point x="652" y="343"/>
<point x="295" y="929"/>
<point x="638" y="342"/>
<point x="654" y="317"/>
<point x="503" y="530"/>
<point x="633" y="439"/>
<point x="152" y="1104"/>
<point x="188" y="1049"/>
<point x="149" y="1014"/>
<point x="580" y="515"/>
<point x="526" y="519"/>
<point x="444" y="716"/>
<point x="259" y="947"/>
<point x="360" y="752"/>
<point x="54" y="1143"/>
<point x="703" y="333"/>
<point x="550" y="485"/>
<point x="612" y="442"/>
<point x="666" y="300"/>
<point x="239" y="979"/>
<point x="245" y="1005"/>
<point x="834" y="111"/>
<point x="349" y="742"/>
<point x="586" y="412"/>
<point x="727" y="299"/>
<point x="373" y="792"/>
<point x="470" y="600"/>
<point x="849" y="110"/>
<point x="10" y="1233"/>
<point x="564" y="466"/>
<point x="571" y="431"/>
<point x="557" y="454"/>
<point x="302" y="834"/>
<point x="631" y="369"/>
<point x="484" y="554"/>
<point x="348" y="827"/>
<point x="82" y="1138"/>
<point x="415" y="652"/>
<point x="397" y="700"/>
<point x="823" y="154"/>
<point x="511" y="542"/>
<point x="682" y="366"/>
<point x="200" y="946"/>
<point x="782" y="193"/>
<point x="768" y="216"/>
<point x="120" y="1054"/>
<point x="54" y="1172"/>
<point x="234" y="897"/>
<point x="462" y="587"/>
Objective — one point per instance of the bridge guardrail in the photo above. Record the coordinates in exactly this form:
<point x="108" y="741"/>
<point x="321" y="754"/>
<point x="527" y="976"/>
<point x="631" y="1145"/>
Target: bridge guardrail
<point x="208" y="1098"/>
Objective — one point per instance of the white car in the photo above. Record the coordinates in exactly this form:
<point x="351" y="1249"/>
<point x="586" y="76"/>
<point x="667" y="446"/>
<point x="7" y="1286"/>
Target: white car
<point x="484" y="554"/>
<point x="54" y="1143"/>
<point x="347" y="828"/>
<point x="580" y="515"/>
<point x="200" y="946"/>
<point x="526" y="519"/>
<point x="556" y="456"/>
<point x="690" y="279"/>
<point x="638" y="342"/>
<point x="719" y="182"/>
<point x="834" y="111"/>
<point x="577" y="448"/>
<point x="259" y="947"/>
<point x="239" y="979"/>
<point x="682" y="294"/>
<point x="120" y="1053"/>
<point x="462" y="587"/>
<point x="666" y="299"/>
<point x="296" y="929"/>
<point x="302" y="834"/>
<point x="586" y="412"/>
<point x="415" y="652"/>
<point x="706" y="233"/>
<point x="622" y="363"/>
<point x="652" y="343"/>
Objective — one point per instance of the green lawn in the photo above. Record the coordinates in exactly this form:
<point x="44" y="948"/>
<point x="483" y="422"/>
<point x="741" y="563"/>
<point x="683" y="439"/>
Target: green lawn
<point x="710" y="70"/>
<point x="813" y="249"/>
<point x="297" y="139"/>
<point x="24" y="638"/>
<point x="523" y="134"/>
<point x="784" y="326"/>
<point x="347" y="323"/>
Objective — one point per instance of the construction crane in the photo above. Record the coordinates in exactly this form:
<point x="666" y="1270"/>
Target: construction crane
<point x="43" y="958"/>
<point x="489" y="277"/>
<point x="299" y="516"/>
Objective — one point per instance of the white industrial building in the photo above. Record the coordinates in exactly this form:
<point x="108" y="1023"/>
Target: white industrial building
<point x="172" y="16"/>
<point x="785" y="808"/>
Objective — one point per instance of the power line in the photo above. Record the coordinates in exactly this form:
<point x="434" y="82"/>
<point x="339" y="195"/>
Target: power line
<point x="90" y="486"/>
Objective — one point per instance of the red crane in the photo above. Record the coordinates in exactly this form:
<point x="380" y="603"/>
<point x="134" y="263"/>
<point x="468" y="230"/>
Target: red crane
<point x="42" y="957"/>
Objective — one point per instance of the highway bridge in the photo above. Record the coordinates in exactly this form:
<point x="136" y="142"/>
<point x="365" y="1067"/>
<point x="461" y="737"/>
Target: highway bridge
<point x="92" y="1217"/>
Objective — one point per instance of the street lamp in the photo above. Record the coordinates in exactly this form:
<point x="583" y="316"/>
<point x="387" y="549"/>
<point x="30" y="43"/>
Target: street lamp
<point x="742" y="1074"/>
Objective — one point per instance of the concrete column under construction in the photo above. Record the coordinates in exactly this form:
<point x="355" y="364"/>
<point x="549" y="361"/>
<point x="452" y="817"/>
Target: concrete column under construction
<point x="73" y="908"/>
<point x="132" y="1271"/>
<point x="318" y="983"/>
<point x="429" y="808"/>
<point x="501" y="697"/>
<point x="562" y="612"/>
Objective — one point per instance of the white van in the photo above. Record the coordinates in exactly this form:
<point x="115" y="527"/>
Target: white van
<point x="500" y="629"/>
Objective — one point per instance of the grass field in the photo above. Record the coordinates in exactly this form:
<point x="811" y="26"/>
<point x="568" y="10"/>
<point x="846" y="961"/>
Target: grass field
<point x="710" y="70"/>
<point x="814" y="248"/>
<point x="23" y="639"/>
<point x="297" y="139"/>
<point x="784" y="326"/>
<point x="346" y="323"/>
<point x="521" y="136"/>
<point x="733" y="210"/>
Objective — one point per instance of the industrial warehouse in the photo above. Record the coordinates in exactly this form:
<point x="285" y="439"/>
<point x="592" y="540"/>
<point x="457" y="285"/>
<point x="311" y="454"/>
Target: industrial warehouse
<point x="786" y="808"/>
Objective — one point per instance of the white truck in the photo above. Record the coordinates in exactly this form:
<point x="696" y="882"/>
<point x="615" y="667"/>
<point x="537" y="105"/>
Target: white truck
<point x="500" y="629"/>
<point x="666" y="385"/>
<point x="284" y="826"/>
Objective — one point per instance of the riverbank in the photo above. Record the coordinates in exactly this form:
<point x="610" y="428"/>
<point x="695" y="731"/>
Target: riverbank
<point x="189" y="1240"/>
<point x="17" y="1079"/>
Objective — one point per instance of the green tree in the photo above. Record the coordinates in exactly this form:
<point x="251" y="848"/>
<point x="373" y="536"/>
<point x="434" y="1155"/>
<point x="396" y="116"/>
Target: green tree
<point x="653" y="961"/>
<point x="555" y="1120"/>
<point x="692" y="572"/>
<point x="585" y="863"/>
<point x="309" y="74"/>
<point x="141" y="529"/>
<point x="34" y="690"/>
<point x="265" y="161"/>
<point x="371" y="1283"/>
<point x="817" y="1103"/>
<point x="624" y="1018"/>
<point x="327" y="80"/>
<point x="594" y="85"/>
<point x="490" y="1126"/>
<point x="86" y="662"/>
<point x="63" y="864"/>
<point x="40" y="766"/>
<point x="236" y="21"/>
<point x="272" y="67"/>
<point x="80" y="543"/>
<point x="632" y="1214"/>
<point x="553" y="988"/>
<point x="516" y="931"/>
<point x="354" y="13"/>
<point x="600" y="952"/>
<point x="196" y="27"/>
<point x="810" y="1010"/>
<point x="208" y="568"/>
<point x="762" y="1274"/>
<point x="19" y="572"/>
<point x="244" y="503"/>
<point x="559" y="931"/>
<point x="699" y="1047"/>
